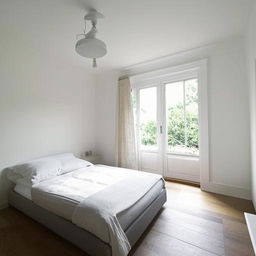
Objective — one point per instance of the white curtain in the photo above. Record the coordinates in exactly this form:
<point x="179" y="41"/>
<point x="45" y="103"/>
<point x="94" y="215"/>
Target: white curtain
<point x="127" y="156"/>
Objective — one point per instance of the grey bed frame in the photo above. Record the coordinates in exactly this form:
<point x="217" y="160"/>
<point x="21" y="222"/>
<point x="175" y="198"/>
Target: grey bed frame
<point x="80" y="237"/>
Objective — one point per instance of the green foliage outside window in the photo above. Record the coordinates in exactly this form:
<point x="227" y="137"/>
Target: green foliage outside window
<point x="177" y="134"/>
<point x="148" y="133"/>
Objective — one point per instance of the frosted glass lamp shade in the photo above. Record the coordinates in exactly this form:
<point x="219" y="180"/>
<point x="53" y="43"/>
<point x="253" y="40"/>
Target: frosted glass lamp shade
<point x="91" y="48"/>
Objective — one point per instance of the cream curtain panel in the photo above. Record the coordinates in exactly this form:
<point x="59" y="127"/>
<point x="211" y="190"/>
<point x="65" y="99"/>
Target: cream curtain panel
<point x="127" y="156"/>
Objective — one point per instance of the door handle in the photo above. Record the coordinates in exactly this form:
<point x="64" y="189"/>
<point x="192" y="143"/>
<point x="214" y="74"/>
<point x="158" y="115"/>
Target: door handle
<point x="161" y="129"/>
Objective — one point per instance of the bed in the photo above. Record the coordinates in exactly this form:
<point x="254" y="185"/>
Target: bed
<point x="60" y="203"/>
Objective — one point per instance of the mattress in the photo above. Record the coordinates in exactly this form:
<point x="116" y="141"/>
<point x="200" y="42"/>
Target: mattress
<point x="62" y="194"/>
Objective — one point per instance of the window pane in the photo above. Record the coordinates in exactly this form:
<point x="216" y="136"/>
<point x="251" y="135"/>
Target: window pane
<point x="182" y="117"/>
<point x="175" y="116"/>
<point x="148" y="129"/>
<point x="192" y="125"/>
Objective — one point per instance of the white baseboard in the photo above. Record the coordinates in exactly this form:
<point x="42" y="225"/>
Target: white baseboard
<point x="227" y="190"/>
<point x="3" y="205"/>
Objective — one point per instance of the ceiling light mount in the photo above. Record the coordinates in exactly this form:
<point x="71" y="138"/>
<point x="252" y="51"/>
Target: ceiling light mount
<point x="93" y="16"/>
<point x="89" y="46"/>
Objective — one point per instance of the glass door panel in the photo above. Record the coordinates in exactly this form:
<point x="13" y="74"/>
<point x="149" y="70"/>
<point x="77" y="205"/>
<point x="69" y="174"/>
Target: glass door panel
<point x="148" y="139"/>
<point x="182" y="130"/>
<point x="192" y="116"/>
<point x="175" y="116"/>
<point x="182" y="117"/>
<point x="148" y="118"/>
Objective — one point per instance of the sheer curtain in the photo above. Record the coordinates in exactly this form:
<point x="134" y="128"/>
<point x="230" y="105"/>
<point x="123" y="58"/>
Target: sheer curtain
<point x="127" y="156"/>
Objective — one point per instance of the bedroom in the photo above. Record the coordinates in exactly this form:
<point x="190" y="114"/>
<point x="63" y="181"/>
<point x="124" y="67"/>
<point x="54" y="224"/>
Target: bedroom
<point x="55" y="105"/>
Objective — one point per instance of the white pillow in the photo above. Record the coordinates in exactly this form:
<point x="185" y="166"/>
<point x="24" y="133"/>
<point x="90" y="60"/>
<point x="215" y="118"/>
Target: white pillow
<point x="22" y="170"/>
<point x="69" y="165"/>
<point x="37" y="170"/>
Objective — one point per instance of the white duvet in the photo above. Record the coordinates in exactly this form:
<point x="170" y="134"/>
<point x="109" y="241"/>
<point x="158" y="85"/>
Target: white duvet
<point x="80" y="184"/>
<point x="102" y="193"/>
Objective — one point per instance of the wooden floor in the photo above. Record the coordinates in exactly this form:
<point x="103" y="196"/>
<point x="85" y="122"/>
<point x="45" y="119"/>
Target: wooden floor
<point x="191" y="223"/>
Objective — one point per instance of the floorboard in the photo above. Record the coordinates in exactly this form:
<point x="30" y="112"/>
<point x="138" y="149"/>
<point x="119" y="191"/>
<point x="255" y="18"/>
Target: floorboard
<point x="192" y="222"/>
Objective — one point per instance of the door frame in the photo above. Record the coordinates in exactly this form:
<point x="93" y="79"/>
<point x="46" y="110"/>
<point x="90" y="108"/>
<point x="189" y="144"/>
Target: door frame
<point x="172" y="78"/>
<point x="200" y="68"/>
<point x="149" y="84"/>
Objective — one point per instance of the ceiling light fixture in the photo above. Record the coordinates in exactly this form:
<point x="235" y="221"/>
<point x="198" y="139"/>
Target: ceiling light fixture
<point x="89" y="46"/>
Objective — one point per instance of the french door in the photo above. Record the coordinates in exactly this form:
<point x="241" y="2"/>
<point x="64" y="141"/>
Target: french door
<point x="167" y="126"/>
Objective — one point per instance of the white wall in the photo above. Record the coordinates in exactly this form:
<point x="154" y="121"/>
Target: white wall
<point x="228" y="112"/>
<point x="251" y="58"/>
<point x="106" y="114"/>
<point x="46" y="106"/>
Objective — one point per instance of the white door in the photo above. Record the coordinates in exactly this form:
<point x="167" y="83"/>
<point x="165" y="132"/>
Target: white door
<point x="148" y="132"/>
<point x="182" y="130"/>
<point x="167" y="125"/>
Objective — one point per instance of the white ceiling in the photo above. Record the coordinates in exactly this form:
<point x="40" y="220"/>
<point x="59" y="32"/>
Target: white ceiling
<point x="134" y="30"/>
